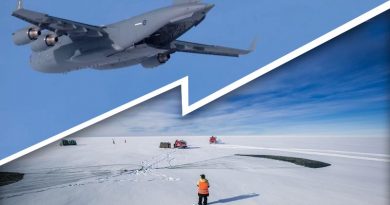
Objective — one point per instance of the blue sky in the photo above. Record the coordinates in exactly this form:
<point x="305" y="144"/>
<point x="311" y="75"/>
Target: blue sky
<point x="339" y="89"/>
<point x="35" y="106"/>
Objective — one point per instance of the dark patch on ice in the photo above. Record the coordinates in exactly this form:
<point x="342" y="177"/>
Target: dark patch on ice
<point x="10" y="178"/>
<point x="298" y="161"/>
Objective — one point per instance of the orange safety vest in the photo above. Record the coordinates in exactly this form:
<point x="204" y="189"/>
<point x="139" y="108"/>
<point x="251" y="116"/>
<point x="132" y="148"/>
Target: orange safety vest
<point x="203" y="186"/>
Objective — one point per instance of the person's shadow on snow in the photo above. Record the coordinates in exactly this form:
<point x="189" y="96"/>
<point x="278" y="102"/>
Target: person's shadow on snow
<point x="236" y="198"/>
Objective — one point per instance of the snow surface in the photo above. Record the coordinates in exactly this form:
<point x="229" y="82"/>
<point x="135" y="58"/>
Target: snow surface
<point x="138" y="172"/>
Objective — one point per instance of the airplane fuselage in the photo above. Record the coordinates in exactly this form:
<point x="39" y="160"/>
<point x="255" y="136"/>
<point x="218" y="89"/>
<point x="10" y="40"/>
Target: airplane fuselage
<point x="125" y="43"/>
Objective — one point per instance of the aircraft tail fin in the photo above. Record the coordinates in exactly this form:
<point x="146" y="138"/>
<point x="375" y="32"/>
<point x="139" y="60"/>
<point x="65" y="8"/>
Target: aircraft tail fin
<point x="185" y="1"/>
<point x="253" y="45"/>
<point x="19" y="4"/>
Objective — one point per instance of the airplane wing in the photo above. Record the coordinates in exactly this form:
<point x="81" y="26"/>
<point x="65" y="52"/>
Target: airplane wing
<point x="188" y="47"/>
<point x="58" y="25"/>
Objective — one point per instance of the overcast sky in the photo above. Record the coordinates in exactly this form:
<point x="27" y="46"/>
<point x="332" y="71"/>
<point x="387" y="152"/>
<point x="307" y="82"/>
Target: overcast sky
<point x="340" y="89"/>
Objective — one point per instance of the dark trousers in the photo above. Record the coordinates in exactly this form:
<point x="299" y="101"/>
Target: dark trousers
<point x="203" y="197"/>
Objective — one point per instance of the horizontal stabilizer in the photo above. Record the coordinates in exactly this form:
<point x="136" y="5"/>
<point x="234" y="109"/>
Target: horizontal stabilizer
<point x="185" y="1"/>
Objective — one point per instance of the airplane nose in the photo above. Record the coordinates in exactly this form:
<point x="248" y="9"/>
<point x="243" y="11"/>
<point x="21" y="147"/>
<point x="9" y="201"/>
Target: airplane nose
<point x="204" y="8"/>
<point x="208" y="7"/>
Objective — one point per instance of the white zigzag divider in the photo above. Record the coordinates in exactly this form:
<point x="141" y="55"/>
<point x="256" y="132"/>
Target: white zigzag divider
<point x="183" y="83"/>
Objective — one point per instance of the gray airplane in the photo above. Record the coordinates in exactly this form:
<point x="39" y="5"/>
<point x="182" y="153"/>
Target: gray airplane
<point x="60" y="45"/>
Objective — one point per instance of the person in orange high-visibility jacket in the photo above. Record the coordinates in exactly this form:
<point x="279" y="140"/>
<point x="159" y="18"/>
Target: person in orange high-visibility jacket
<point x="203" y="189"/>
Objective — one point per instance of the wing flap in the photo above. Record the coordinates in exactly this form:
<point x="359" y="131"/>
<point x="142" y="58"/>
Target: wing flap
<point x="189" y="47"/>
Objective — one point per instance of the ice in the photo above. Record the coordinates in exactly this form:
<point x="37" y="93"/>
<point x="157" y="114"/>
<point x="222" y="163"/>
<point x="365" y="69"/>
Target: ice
<point x="138" y="172"/>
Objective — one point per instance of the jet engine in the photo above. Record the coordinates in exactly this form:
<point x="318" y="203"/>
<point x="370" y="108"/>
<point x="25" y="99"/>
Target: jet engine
<point x="157" y="60"/>
<point x="26" y="35"/>
<point x="44" y="42"/>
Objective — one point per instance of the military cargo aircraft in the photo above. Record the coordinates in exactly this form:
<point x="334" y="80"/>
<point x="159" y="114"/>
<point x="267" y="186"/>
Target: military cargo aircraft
<point x="60" y="45"/>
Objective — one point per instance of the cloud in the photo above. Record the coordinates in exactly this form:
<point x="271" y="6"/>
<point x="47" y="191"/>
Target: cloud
<point x="338" y="89"/>
<point x="352" y="105"/>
